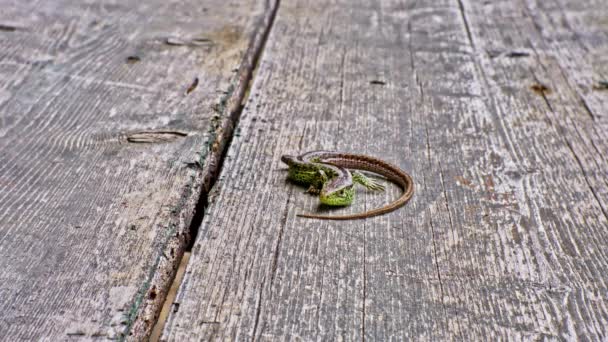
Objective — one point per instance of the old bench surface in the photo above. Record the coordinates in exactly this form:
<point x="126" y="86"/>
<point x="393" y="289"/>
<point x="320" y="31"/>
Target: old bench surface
<point x="127" y="127"/>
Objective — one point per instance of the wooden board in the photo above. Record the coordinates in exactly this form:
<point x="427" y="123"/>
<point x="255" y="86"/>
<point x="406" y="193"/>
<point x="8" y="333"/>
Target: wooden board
<point x="506" y="236"/>
<point x="109" y="116"/>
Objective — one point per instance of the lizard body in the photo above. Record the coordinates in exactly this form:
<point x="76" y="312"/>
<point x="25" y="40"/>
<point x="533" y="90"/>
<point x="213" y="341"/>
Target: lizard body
<point x="336" y="181"/>
<point x="333" y="183"/>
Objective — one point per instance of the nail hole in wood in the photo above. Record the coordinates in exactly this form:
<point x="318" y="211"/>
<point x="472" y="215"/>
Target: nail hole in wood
<point x="152" y="293"/>
<point x="133" y="59"/>
<point x="7" y="28"/>
<point x="192" y="86"/>
<point x="540" y="89"/>
<point x="517" y="54"/>
<point x="175" y="41"/>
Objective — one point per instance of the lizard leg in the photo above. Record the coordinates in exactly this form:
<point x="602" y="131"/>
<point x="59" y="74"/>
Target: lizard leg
<point x="367" y="182"/>
<point x="317" y="185"/>
<point x="323" y="175"/>
<point x="313" y="190"/>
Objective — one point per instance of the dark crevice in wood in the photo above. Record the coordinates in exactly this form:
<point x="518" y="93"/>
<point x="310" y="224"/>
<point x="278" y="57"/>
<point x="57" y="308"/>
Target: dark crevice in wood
<point x="145" y="310"/>
<point x="197" y="220"/>
<point x="571" y="88"/>
<point x="544" y="96"/>
<point x="341" y="99"/>
<point x="192" y="86"/>
<point x="580" y="165"/>
<point x="225" y="132"/>
<point x="7" y="28"/>
<point x="133" y="59"/>
<point x="410" y="49"/>
<point x="221" y="139"/>
<point x="419" y="84"/>
<point x="258" y="310"/>
<point x="433" y="238"/>
<point x="170" y="305"/>
<point x="431" y="226"/>
<point x="576" y="93"/>
<point x="466" y="23"/>
<point x="593" y="147"/>
<point x="542" y="90"/>
<point x="277" y="248"/>
<point x="436" y="262"/>
<point x="517" y="54"/>
<point x="445" y="195"/>
<point x="150" y="137"/>
<point x="586" y="106"/>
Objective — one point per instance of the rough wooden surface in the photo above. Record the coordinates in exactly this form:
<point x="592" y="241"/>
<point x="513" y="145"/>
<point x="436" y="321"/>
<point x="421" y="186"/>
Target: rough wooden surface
<point x="494" y="109"/>
<point x="106" y="110"/>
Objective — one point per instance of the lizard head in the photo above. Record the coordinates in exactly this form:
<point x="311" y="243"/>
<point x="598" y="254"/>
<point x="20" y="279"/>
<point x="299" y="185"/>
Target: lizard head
<point x="337" y="195"/>
<point x="287" y="159"/>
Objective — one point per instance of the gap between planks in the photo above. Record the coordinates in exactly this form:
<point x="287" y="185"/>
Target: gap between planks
<point x="224" y="133"/>
<point x="164" y="312"/>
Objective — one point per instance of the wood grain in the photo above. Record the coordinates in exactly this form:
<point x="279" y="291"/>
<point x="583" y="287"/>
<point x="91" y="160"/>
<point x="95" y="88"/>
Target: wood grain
<point x="105" y="123"/>
<point x="506" y="235"/>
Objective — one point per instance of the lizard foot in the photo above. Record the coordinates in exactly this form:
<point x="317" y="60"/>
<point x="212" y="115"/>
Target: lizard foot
<point x="313" y="190"/>
<point x="367" y="182"/>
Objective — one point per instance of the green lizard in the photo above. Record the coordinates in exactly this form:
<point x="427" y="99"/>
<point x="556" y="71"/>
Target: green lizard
<point x="327" y="173"/>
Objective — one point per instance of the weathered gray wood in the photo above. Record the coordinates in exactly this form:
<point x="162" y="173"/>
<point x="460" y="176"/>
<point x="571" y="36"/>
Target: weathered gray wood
<point x="562" y="134"/>
<point x="106" y="108"/>
<point x="506" y="236"/>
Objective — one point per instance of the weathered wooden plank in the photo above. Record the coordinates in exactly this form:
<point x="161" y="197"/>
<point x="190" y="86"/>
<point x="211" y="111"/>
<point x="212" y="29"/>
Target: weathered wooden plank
<point x="106" y="108"/>
<point x="572" y="63"/>
<point x="505" y="237"/>
<point x="575" y="42"/>
<point x="547" y="109"/>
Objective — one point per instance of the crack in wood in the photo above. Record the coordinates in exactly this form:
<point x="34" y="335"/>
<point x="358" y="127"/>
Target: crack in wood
<point x="466" y="23"/>
<point x="445" y="195"/>
<point x="277" y="247"/>
<point x="571" y="149"/>
<point x="233" y="107"/>
<point x="582" y="168"/>
<point x="433" y="238"/>
<point x="154" y="137"/>
<point x="7" y="28"/>
<point x="258" y="309"/>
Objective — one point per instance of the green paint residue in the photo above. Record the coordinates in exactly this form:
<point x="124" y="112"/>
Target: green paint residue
<point x="220" y="109"/>
<point x="216" y="120"/>
<point x="172" y="229"/>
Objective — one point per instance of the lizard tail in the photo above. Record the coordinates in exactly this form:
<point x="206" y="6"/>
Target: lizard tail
<point x="401" y="201"/>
